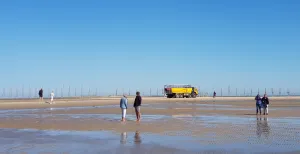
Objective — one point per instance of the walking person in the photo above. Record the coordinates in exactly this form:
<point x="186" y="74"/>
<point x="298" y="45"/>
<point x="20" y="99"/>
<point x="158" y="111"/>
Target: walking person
<point x="136" y="105"/>
<point x="265" y="104"/>
<point x="52" y="97"/>
<point x="258" y="104"/>
<point x="41" y="94"/>
<point x="123" y="106"/>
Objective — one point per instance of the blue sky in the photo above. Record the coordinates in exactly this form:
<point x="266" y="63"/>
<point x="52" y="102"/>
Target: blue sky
<point x="146" y="44"/>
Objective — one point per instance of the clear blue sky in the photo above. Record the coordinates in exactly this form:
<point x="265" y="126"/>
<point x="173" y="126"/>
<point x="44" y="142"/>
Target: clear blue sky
<point x="146" y="44"/>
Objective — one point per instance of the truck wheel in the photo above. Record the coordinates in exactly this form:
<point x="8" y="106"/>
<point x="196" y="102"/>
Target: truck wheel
<point x="170" y="96"/>
<point x="194" y="95"/>
<point x="176" y="96"/>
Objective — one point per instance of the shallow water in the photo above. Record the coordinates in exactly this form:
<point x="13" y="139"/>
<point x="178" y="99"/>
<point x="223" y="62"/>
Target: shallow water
<point x="240" y="135"/>
<point x="205" y="133"/>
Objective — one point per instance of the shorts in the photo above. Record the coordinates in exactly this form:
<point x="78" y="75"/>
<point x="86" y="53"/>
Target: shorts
<point x="137" y="109"/>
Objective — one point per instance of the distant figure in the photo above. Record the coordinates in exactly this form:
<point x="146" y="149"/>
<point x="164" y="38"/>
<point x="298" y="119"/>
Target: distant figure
<point x="265" y="104"/>
<point x="136" y="105"/>
<point x="215" y="94"/>
<point x="258" y="104"/>
<point x="123" y="106"/>
<point x="41" y="94"/>
<point x="52" y="97"/>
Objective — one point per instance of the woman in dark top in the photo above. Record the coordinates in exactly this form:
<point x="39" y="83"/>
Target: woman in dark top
<point x="265" y="104"/>
<point x="136" y="105"/>
<point x="41" y="94"/>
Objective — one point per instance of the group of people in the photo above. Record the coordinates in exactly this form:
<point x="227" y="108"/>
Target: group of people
<point x="262" y="103"/>
<point x="42" y="98"/>
<point x="137" y="106"/>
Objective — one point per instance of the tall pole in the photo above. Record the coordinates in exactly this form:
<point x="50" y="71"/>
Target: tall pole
<point x="117" y="92"/>
<point x="11" y="95"/>
<point x="56" y="91"/>
<point x="221" y="92"/>
<point x="251" y="92"/>
<point x="81" y="91"/>
<point x="265" y="90"/>
<point x="3" y="94"/>
<point x="228" y="90"/>
<point x="17" y="93"/>
<point x="35" y="93"/>
<point x="61" y="92"/>
<point x="272" y="91"/>
<point x="199" y="91"/>
<point x="75" y="92"/>
<point x="22" y="91"/>
<point x="157" y="92"/>
<point x="69" y="93"/>
<point x="236" y="92"/>
<point x="244" y="92"/>
<point x="29" y="92"/>
<point x="150" y="92"/>
<point x="279" y="91"/>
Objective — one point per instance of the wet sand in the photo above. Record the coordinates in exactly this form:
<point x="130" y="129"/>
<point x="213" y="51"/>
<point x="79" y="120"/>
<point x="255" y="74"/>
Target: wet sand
<point x="221" y="125"/>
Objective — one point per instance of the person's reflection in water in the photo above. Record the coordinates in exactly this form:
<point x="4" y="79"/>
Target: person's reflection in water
<point x="123" y="138"/>
<point x="262" y="128"/>
<point x="137" y="138"/>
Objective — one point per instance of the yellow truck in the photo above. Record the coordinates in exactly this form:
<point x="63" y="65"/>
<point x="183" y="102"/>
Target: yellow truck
<point x="180" y="91"/>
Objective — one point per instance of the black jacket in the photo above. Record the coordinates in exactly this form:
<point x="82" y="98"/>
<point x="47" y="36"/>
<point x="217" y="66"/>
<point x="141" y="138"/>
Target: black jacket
<point x="137" y="101"/>
<point x="265" y="101"/>
<point x="41" y="93"/>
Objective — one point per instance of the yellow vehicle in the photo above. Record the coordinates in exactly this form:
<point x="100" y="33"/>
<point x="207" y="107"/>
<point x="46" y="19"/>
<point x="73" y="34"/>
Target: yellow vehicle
<point x="180" y="91"/>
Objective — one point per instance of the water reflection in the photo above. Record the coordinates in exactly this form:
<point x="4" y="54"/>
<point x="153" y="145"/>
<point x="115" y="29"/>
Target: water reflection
<point x="263" y="128"/>
<point x="137" y="138"/>
<point x="123" y="139"/>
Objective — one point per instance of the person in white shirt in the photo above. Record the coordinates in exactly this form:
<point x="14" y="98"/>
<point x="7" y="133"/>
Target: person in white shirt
<point x="52" y="97"/>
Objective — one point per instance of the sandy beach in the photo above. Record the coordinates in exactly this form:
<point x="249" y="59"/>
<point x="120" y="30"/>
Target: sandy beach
<point x="208" y="121"/>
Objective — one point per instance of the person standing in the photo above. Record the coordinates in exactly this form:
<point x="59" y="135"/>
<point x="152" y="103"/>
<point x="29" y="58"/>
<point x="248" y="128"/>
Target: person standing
<point x="258" y="104"/>
<point x="215" y="94"/>
<point x="41" y="94"/>
<point x="136" y="105"/>
<point x="123" y="106"/>
<point x="265" y="104"/>
<point x="52" y="97"/>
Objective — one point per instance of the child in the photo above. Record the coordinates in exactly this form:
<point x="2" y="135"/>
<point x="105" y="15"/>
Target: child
<point x="52" y="97"/>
